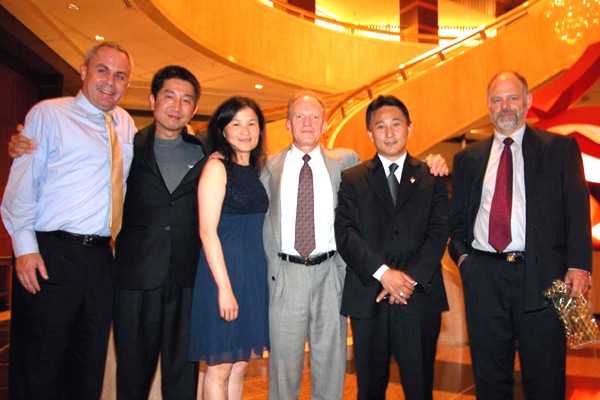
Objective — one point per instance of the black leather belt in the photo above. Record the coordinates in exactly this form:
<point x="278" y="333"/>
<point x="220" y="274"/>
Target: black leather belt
<point x="510" y="257"/>
<point x="85" y="240"/>
<point x="310" y="261"/>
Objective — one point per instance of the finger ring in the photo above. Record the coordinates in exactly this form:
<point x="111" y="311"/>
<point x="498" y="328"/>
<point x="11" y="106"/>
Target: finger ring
<point x="401" y="293"/>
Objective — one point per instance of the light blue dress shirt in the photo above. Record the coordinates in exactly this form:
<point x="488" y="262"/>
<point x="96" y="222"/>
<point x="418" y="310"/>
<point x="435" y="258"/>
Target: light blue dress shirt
<point x="65" y="183"/>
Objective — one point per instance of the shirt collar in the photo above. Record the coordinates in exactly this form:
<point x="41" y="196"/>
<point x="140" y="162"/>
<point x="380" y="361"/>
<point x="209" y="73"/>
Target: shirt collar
<point x="517" y="136"/>
<point x="297" y="154"/>
<point x="91" y="111"/>
<point x="386" y="163"/>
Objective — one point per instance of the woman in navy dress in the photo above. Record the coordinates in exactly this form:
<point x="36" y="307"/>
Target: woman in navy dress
<point x="230" y="301"/>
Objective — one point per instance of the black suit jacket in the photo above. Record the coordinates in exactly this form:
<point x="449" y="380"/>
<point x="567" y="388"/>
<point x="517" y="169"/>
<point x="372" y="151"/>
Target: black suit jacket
<point x="558" y="232"/>
<point x="160" y="229"/>
<point x="411" y="236"/>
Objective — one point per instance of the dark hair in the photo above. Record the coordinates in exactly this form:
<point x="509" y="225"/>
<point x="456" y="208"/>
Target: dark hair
<point x="174" y="72"/>
<point x="223" y="116"/>
<point x="382" y="101"/>
<point x="520" y="77"/>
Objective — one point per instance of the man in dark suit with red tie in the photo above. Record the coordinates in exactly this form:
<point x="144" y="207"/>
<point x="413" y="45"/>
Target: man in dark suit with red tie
<point x="391" y="229"/>
<point x="520" y="219"/>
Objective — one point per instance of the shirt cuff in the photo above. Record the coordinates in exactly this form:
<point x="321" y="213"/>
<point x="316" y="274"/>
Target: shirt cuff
<point x="24" y="242"/>
<point x="579" y="269"/>
<point x="379" y="273"/>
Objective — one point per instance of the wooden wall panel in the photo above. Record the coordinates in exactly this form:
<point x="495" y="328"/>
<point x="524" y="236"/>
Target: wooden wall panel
<point x="19" y="93"/>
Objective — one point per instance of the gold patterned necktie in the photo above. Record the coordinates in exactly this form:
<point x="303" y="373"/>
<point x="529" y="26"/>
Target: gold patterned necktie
<point x="116" y="178"/>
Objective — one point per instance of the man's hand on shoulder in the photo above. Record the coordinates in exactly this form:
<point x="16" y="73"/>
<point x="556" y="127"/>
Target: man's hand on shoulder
<point x="26" y="267"/>
<point x="20" y="144"/>
<point x="437" y="165"/>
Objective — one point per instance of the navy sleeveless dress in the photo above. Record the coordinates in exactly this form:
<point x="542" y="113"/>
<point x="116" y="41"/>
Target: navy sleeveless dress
<point x="213" y="339"/>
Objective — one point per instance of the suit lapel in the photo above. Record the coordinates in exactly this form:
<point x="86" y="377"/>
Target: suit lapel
<point x="275" y="171"/>
<point x="410" y="175"/>
<point x="335" y="175"/>
<point x="480" y="161"/>
<point x="532" y="159"/>
<point x="145" y="148"/>
<point x="377" y="180"/>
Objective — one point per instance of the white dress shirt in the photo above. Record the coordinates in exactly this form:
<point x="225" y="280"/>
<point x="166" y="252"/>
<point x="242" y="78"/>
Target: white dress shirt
<point x="518" y="216"/>
<point x="65" y="183"/>
<point x="323" y="192"/>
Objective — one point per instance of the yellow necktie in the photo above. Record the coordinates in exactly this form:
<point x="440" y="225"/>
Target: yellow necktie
<point x="116" y="178"/>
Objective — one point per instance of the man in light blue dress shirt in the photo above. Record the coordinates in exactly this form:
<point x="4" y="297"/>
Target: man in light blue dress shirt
<point x="56" y="208"/>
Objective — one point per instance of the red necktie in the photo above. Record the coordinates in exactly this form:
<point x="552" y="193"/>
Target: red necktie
<point x="305" y="211"/>
<point x="500" y="235"/>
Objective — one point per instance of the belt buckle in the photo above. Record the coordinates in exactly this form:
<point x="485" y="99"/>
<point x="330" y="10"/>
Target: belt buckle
<point x="308" y="262"/>
<point x="511" y="257"/>
<point x="88" y="240"/>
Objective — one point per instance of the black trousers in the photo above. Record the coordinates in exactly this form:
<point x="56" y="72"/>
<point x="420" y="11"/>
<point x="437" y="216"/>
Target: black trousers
<point x="498" y="327"/>
<point x="411" y="339"/>
<point x="59" y="336"/>
<point x="148" y="323"/>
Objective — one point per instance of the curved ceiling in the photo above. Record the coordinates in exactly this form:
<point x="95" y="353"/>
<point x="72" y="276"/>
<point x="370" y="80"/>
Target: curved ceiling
<point x="70" y="32"/>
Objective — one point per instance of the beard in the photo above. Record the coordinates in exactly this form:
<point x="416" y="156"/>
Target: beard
<point x="507" y="121"/>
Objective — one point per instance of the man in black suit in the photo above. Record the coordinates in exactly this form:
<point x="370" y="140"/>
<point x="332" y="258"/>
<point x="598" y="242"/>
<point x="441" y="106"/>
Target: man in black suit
<point x="391" y="229"/>
<point x="158" y="247"/>
<point x="514" y="230"/>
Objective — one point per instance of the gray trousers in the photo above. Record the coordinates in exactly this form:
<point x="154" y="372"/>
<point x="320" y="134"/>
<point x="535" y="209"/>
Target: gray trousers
<point x="306" y="303"/>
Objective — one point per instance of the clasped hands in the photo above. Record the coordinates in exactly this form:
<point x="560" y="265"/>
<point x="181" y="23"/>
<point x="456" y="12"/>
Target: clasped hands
<point x="397" y="285"/>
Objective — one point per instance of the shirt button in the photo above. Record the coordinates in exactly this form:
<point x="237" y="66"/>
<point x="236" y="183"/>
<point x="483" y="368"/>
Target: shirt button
<point x="172" y="204"/>
<point x="168" y="228"/>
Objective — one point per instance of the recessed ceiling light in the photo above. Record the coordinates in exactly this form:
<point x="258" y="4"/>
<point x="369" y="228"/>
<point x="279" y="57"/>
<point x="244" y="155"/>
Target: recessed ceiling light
<point x="258" y="86"/>
<point x="99" y="38"/>
<point x="72" y="7"/>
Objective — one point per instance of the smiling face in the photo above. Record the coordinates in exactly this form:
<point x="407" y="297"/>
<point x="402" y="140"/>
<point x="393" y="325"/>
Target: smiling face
<point x="105" y="78"/>
<point x="242" y="133"/>
<point x="508" y="103"/>
<point x="389" y="131"/>
<point x="174" y="106"/>
<point x="306" y="123"/>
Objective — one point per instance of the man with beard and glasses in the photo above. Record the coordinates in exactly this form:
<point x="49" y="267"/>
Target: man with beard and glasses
<point x="520" y="219"/>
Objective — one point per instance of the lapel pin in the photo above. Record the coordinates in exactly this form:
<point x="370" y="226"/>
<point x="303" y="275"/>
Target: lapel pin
<point x="412" y="179"/>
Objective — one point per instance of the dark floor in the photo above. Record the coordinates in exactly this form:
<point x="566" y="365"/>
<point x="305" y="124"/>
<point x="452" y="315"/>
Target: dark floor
<point x="453" y="375"/>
